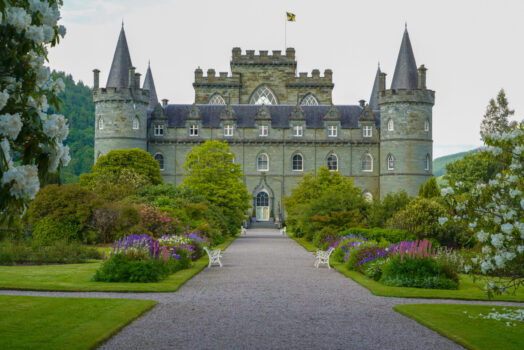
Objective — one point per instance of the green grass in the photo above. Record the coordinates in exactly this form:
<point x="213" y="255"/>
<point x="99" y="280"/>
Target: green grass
<point x="64" y="323"/>
<point x="77" y="277"/>
<point x="468" y="290"/>
<point x="472" y="333"/>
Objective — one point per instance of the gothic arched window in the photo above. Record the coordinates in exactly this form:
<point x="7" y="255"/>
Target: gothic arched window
<point x="367" y="162"/>
<point x="298" y="162"/>
<point x="136" y="123"/>
<point x="160" y="159"/>
<point x="217" y="99"/>
<point x="428" y="163"/>
<point x="263" y="95"/>
<point x="426" y="125"/>
<point x="391" y="162"/>
<point x="100" y="123"/>
<point x="309" y="100"/>
<point x="391" y="125"/>
<point x="332" y="162"/>
<point x="262" y="162"/>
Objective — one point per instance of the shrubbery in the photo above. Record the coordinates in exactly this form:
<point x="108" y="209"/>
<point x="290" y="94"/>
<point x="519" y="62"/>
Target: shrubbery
<point x="22" y="252"/>
<point x="380" y="234"/>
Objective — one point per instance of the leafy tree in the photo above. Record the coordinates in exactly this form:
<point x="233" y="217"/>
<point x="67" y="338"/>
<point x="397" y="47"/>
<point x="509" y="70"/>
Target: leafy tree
<point x="429" y="189"/>
<point x="474" y="168"/>
<point x="382" y="210"/>
<point x="212" y="174"/>
<point x="496" y="116"/>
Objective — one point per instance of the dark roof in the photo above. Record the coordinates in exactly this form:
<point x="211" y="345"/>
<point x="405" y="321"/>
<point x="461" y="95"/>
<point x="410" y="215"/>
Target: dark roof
<point x="119" y="73"/>
<point x="245" y="115"/>
<point x="373" y="100"/>
<point x="406" y="75"/>
<point x="149" y="84"/>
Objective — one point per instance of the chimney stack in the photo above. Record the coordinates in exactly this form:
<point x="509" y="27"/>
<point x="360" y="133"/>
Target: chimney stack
<point x="131" y="78"/>
<point x="96" y="79"/>
<point x="382" y="82"/>
<point x="422" y="77"/>
<point x="164" y="102"/>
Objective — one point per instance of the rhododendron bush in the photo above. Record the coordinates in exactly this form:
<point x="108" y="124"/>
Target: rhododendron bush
<point x="31" y="141"/>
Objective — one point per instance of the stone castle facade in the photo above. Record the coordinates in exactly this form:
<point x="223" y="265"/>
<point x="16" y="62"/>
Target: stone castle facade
<point x="279" y="125"/>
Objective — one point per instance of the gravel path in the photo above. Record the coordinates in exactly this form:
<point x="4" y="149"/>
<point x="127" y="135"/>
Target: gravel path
<point x="268" y="295"/>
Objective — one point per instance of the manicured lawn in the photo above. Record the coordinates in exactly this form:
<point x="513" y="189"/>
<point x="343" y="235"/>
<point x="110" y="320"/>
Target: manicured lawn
<point x="462" y="324"/>
<point x="467" y="289"/>
<point x="63" y="323"/>
<point x="77" y="277"/>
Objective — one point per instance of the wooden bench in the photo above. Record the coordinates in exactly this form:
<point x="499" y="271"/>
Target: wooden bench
<point x="214" y="256"/>
<point x="322" y="257"/>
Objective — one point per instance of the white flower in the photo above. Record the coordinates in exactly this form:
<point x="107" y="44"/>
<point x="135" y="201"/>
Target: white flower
<point x="42" y="75"/>
<point x="35" y="33"/>
<point x="49" y="33"/>
<point x="497" y="240"/>
<point x="10" y="125"/>
<point x="58" y="155"/>
<point x="442" y="221"/>
<point x="486" y="249"/>
<point x="62" y="31"/>
<point x="18" y="18"/>
<point x="507" y="228"/>
<point x="522" y="203"/>
<point x="474" y="260"/>
<point x="520" y="249"/>
<point x="25" y="181"/>
<point x="499" y="261"/>
<point x="509" y="256"/>
<point x="473" y="224"/>
<point x="486" y="266"/>
<point x="6" y="150"/>
<point x="482" y="236"/>
<point x="445" y="191"/>
<point x="514" y="192"/>
<point x="55" y="126"/>
<point x="58" y="85"/>
<point x="4" y="96"/>
<point x="467" y="268"/>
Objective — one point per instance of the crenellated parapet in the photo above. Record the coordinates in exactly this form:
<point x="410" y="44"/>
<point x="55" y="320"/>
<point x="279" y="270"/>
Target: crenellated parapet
<point x="406" y="95"/>
<point x="315" y="80"/>
<point x="276" y="58"/>
<point x="212" y="80"/>
<point x="121" y="95"/>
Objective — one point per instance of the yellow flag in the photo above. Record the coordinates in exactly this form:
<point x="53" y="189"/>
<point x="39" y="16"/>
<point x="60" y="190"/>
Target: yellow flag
<point x="290" y="17"/>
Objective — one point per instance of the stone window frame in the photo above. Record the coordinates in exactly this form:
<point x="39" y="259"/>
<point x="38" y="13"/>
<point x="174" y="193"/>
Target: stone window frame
<point x="390" y="162"/>
<point x="216" y="99"/>
<point x="262" y="154"/>
<point x="309" y="100"/>
<point x="332" y="154"/>
<point x="262" y="92"/>
<point x="261" y="129"/>
<point x="296" y="128"/>
<point x="391" y="125"/>
<point x="136" y="123"/>
<point x="332" y="131"/>
<point x="193" y="130"/>
<point x="100" y="123"/>
<point x="293" y="162"/>
<point x="159" y="157"/>
<point x="427" y="161"/>
<point x="426" y="125"/>
<point x="159" y="130"/>
<point x="367" y="131"/>
<point x="229" y="130"/>
<point x="364" y="162"/>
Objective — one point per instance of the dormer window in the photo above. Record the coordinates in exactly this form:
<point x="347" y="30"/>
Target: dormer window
<point x="298" y="131"/>
<point x="263" y="130"/>
<point x="367" y="131"/>
<point x="136" y="123"/>
<point x="228" y="130"/>
<point x="193" y="130"/>
<point x="391" y="126"/>
<point x="159" y="130"/>
<point x="332" y="131"/>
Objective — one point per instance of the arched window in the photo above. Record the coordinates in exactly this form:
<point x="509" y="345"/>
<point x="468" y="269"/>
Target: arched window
<point x="309" y="100"/>
<point x="136" y="123"/>
<point x="298" y="162"/>
<point x="160" y="159"/>
<point x="263" y="95"/>
<point x="262" y="162"/>
<point x="367" y="162"/>
<point x="216" y="99"/>
<point x="100" y="123"/>
<point x="391" y="162"/>
<point x="428" y="163"/>
<point x="368" y="197"/>
<point x="391" y="125"/>
<point x="262" y="199"/>
<point x="332" y="162"/>
<point x="426" y="125"/>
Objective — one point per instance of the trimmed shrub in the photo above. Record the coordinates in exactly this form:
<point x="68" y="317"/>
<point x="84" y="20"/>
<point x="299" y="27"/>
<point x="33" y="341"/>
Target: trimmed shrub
<point x="49" y="230"/>
<point x="380" y="234"/>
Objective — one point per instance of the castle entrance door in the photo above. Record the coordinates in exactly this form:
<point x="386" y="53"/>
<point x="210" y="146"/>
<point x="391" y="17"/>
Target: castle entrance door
<point x="262" y="209"/>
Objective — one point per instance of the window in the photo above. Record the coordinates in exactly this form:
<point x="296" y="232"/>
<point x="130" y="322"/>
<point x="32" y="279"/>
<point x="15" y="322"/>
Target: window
<point x="136" y="123"/>
<point x="228" y="130"/>
<point x="428" y="162"/>
<point x="262" y="199"/>
<point x="160" y="159"/>
<point x="193" y="130"/>
<point x="100" y="123"/>
<point x="263" y="95"/>
<point x="264" y="130"/>
<point x="367" y="131"/>
<point x="391" y="162"/>
<point x="263" y="162"/>
<point x="367" y="162"/>
<point x="217" y="99"/>
<point x="309" y="100"/>
<point x="297" y="131"/>
<point x="159" y="130"/>
<point x="426" y="125"/>
<point x="332" y="131"/>
<point x="390" y="125"/>
<point x="298" y="164"/>
<point x="332" y="162"/>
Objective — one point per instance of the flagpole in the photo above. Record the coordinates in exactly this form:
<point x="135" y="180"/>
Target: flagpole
<point x="285" y="32"/>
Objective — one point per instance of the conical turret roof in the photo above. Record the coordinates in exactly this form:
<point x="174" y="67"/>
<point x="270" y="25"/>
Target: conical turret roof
<point x="149" y="84"/>
<point x="119" y="73"/>
<point x="405" y="76"/>
<point x="373" y="100"/>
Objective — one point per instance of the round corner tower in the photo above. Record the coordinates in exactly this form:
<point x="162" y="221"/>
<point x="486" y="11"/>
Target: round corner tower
<point x="406" y="143"/>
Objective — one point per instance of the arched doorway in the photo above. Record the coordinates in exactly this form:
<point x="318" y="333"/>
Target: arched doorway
<point x="262" y="206"/>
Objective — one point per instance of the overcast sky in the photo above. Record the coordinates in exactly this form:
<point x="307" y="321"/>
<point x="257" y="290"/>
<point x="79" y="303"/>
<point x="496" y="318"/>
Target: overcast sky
<point x="471" y="48"/>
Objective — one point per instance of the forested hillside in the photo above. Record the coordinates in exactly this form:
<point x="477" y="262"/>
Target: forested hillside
<point x="439" y="164"/>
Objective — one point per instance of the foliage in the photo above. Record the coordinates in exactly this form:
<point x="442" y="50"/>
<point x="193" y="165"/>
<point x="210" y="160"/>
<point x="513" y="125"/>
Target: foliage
<point x="474" y="168"/>
<point x="31" y="141"/>
<point x="496" y="116"/>
<point x="326" y="201"/>
<point x="381" y="210"/>
<point x="112" y="220"/>
<point x="48" y="230"/>
<point x="26" y="252"/>
<point x="212" y="174"/>
<point x="429" y="189"/>
<point x="439" y="164"/>
<point x="380" y="234"/>
<point x="114" y="185"/>
<point x="493" y="213"/>
<point x="156" y="222"/>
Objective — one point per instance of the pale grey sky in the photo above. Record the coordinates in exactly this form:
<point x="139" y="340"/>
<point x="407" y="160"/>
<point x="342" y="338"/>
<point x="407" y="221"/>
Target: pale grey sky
<point x="472" y="48"/>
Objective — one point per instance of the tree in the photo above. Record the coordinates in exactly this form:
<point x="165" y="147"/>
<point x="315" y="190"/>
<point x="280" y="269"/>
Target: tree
<point x="31" y="141"/>
<point x="474" y="168"/>
<point x="382" y="210"/>
<point x="212" y="173"/>
<point x="429" y="189"/>
<point x="496" y="116"/>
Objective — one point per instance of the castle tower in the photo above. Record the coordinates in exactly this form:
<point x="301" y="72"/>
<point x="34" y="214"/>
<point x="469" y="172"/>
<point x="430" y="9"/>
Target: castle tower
<point x="406" y="147"/>
<point x="121" y="107"/>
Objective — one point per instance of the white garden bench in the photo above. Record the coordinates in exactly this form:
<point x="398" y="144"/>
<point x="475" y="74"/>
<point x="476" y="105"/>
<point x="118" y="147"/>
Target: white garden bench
<point x="322" y="257"/>
<point x="214" y="256"/>
<point x="244" y="231"/>
<point x="283" y="231"/>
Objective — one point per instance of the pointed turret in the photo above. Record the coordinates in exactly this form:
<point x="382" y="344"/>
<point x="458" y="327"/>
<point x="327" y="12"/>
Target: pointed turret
<point x="373" y="100"/>
<point x="119" y="73"/>
<point x="406" y="75"/>
<point x="149" y="84"/>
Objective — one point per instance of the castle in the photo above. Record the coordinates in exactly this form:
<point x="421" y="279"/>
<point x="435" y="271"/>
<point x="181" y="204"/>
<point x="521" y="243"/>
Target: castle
<point x="278" y="125"/>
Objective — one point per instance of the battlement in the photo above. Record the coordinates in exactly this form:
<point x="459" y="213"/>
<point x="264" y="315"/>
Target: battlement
<point x="121" y="94"/>
<point x="314" y="80"/>
<point x="213" y="80"/>
<point x="404" y="95"/>
<point x="263" y="57"/>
